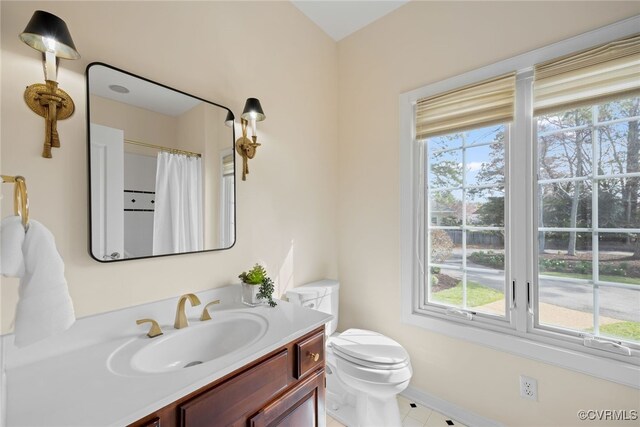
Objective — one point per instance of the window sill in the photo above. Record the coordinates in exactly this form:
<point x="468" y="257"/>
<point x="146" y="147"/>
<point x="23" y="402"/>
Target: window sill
<point x="626" y="374"/>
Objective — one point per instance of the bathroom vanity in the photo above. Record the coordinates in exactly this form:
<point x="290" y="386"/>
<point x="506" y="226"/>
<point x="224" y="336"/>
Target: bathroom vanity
<point x="283" y="388"/>
<point x="260" y="366"/>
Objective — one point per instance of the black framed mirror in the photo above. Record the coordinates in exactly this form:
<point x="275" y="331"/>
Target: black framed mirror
<point x="161" y="169"/>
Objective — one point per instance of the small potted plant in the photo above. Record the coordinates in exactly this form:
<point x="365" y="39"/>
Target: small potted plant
<point x="256" y="286"/>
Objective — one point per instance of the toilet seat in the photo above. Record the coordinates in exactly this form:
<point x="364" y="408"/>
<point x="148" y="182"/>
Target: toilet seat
<point x="369" y="364"/>
<point x="369" y="349"/>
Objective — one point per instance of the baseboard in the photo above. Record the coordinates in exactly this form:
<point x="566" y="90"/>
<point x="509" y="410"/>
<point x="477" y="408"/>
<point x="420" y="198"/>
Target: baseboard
<point x="447" y="408"/>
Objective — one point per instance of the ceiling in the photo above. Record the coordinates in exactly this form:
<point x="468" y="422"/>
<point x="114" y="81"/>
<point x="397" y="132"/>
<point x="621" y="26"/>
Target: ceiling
<point x="339" y="18"/>
<point x="142" y="93"/>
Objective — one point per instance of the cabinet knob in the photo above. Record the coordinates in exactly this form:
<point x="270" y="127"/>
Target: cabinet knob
<point x="314" y="356"/>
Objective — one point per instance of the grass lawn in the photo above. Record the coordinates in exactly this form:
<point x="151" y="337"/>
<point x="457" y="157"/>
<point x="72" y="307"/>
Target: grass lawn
<point x="629" y="330"/>
<point x="604" y="278"/>
<point x="476" y="295"/>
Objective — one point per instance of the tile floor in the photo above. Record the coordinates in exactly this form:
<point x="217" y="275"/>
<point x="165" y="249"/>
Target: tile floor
<point x="413" y="415"/>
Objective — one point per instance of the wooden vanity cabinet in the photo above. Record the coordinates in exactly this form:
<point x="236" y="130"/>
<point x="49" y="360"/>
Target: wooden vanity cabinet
<point x="285" y="388"/>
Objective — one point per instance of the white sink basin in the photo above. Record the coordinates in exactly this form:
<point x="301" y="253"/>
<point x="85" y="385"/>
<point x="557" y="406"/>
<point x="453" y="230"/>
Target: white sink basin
<point x="201" y="342"/>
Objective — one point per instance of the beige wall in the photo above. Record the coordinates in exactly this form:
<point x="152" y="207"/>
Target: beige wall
<point x="422" y="43"/>
<point x="222" y="51"/>
<point x="137" y="123"/>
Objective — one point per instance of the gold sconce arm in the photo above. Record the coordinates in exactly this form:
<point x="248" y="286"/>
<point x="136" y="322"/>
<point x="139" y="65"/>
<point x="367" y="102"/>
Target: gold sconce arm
<point x="205" y="312"/>
<point x="155" y="328"/>
<point x="246" y="148"/>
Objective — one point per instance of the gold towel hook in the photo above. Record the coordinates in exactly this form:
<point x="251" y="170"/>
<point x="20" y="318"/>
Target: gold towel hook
<point x="20" y="197"/>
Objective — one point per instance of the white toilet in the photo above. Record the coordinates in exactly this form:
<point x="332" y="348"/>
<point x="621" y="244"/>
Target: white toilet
<point x="365" y="369"/>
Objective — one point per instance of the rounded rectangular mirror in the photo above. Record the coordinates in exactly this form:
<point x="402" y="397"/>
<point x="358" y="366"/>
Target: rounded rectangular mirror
<point x="161" y="169"/>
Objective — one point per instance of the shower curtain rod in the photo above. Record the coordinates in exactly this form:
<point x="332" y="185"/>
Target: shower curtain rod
<point x="161" y="148"/>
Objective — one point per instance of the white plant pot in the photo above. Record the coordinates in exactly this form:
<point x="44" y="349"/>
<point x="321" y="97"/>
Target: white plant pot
<point x="250" y="295"/>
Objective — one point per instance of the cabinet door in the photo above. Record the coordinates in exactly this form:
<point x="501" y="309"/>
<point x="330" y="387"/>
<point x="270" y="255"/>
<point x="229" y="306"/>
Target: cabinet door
<point x="303" y="405"/>
<point x="231" y="402"/>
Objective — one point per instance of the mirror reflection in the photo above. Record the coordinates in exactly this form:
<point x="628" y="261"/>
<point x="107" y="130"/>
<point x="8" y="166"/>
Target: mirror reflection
<point x="161" y="169"/>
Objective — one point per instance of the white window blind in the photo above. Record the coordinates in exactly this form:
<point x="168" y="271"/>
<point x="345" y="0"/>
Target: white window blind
<point x="480" y="104"/>
<point x="592" y="76"/>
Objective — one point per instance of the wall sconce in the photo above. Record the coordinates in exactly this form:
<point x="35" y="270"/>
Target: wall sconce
<point x="246" y="147"/>
<point x="229" y="120"/>
<point x="49" y="34"/>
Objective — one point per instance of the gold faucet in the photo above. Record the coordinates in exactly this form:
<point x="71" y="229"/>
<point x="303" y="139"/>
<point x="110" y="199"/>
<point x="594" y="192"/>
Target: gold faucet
<point x="205" y="313"/>
<point x="155" y="328"/>
<point x="181" y="317"/>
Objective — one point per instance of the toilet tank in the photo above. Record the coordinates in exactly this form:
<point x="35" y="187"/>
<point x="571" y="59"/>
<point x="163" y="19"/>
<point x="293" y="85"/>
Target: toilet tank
<point x="321" y="295"/>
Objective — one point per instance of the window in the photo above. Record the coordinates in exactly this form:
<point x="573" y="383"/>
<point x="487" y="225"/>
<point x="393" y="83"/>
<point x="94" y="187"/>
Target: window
<point x="466" y="236"/>
<point x="521" y="204"/>
<point x="589" y="220"/>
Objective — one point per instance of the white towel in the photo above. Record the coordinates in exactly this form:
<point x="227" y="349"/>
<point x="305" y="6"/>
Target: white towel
<point x="12" y="238"/>
<point x="45" y="307"/>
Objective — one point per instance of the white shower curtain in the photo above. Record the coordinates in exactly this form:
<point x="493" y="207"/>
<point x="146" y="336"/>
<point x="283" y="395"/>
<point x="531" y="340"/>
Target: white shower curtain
<point x="177" y="221"/>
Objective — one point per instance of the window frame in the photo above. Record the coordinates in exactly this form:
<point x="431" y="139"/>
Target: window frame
<point x="522" y="336"/>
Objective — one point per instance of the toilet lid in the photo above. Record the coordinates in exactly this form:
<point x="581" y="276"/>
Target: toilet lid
<point x="370" y="347"/>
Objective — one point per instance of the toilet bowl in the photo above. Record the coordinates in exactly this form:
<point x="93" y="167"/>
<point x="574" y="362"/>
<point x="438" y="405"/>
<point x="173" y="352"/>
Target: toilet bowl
<point x="365" y="369"/>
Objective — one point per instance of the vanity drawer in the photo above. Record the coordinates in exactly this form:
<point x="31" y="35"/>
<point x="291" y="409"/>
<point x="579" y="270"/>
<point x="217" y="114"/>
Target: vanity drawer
<point x="231" y="401"/>
<point x="309" y="354"/>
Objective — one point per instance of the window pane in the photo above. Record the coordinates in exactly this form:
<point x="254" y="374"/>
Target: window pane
<point x="445" y="169"/>
<point x="485" y="249"/>
<point x="494" y="133"/>
<point x="486" y="207"/>
<point x="619" y="313"/>
<point x="445" y="208"/>
<point x="564" y="304"/>
<point x="565" y="255"/>
<point x="565" y="204"/>
<point x="619" y="109"/>
<point x="446" y="247"/>
<point x="619" y="258"/>
<point x="485" y="292"/>
<point x="619" y="146"/>
<point x="565" y="155"/>
<point x="446" y="285"/>
<point x="563" y="120"/>
<point x="485" y="165"/>
<point x="445" y="142"/>
<point x="618" y="203"/>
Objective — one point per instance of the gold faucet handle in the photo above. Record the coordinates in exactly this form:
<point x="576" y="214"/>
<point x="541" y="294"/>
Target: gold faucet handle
<point x="205" y="312"/>
<point x="155" y="328"/>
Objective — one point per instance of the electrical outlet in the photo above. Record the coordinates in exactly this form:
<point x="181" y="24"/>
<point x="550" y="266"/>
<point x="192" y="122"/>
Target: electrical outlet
<point x="528" y="388"/>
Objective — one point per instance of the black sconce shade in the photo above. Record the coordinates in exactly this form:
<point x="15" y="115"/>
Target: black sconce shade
<point x="44" y="25"/>
<point x="253" y="110"/>
<point x="229" y="120"/>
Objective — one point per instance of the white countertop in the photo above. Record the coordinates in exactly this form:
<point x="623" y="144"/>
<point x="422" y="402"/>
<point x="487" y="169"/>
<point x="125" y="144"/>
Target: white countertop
<point x="67" y="380"/>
